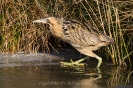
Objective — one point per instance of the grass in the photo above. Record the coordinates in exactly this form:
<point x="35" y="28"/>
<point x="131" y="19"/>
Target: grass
<point x="112" y="17"/>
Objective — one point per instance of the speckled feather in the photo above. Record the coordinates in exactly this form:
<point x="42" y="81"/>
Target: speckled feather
<point x="80" y="35"/>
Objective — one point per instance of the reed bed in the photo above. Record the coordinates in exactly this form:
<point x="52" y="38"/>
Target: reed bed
<point x="112" y="17"/>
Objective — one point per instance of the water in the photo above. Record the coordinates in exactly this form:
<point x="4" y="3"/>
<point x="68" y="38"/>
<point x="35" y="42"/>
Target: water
<point x="43" y="71"/>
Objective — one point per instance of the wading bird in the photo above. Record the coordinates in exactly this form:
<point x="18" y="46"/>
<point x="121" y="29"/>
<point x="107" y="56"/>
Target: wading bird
<point x="82" y="37"/>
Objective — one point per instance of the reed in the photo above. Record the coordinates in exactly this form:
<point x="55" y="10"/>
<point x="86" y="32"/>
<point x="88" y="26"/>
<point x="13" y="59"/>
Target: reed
<point x="18" y="34"/>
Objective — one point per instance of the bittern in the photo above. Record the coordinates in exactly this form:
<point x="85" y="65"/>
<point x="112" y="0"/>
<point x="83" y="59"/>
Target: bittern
<point x="81" y="36"/>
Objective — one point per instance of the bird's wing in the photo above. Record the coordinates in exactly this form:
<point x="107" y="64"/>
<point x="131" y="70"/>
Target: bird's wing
<point x="79" y="34"/>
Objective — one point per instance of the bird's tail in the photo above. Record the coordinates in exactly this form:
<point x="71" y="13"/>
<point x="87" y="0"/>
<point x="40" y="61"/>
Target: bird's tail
<point x="111" y="40"/>
<point x="107" y="39"/>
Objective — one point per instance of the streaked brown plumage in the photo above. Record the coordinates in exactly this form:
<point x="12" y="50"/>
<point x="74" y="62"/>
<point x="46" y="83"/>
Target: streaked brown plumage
<point x="82" y="37"/>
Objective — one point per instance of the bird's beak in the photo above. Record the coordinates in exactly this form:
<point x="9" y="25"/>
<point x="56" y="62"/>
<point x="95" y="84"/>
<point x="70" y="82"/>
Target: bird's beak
<point x="40" y="21"/>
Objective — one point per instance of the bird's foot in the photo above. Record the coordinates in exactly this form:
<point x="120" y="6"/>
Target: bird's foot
<point x="75" y="65"/>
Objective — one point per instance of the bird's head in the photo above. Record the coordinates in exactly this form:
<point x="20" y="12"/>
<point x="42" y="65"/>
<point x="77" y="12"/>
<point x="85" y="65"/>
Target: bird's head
<point x="51" y="21"/>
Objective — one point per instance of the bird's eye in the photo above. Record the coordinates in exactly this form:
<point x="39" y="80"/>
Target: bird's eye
<point x="49" y="22"/>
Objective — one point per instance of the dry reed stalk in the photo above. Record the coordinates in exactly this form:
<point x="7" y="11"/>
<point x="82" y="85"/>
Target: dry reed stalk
<point x="17" y="33"/>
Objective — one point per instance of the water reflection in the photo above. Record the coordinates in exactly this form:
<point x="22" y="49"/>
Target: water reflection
<point x="43" y="71"/>
<point x="54" y="76"/>
<point x="121" y="76"/>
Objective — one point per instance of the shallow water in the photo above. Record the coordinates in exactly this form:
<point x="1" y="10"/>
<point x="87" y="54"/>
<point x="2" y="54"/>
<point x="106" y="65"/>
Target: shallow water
<point x="43" y="71"/>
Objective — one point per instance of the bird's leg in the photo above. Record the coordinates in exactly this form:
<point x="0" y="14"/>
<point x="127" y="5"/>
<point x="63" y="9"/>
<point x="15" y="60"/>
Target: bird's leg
<point x="80" y="60"/>
<point x="99" y="62"/>
<point x="90" y="53"/>
<point x="74" y="64"/>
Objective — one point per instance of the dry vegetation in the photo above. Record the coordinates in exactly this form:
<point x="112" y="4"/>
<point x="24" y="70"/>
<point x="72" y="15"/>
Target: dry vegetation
<point x="113" y="17"/>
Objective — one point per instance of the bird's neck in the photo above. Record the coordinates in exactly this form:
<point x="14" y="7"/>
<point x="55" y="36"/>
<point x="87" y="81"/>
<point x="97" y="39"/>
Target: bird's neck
<point x="57" y="30"/>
